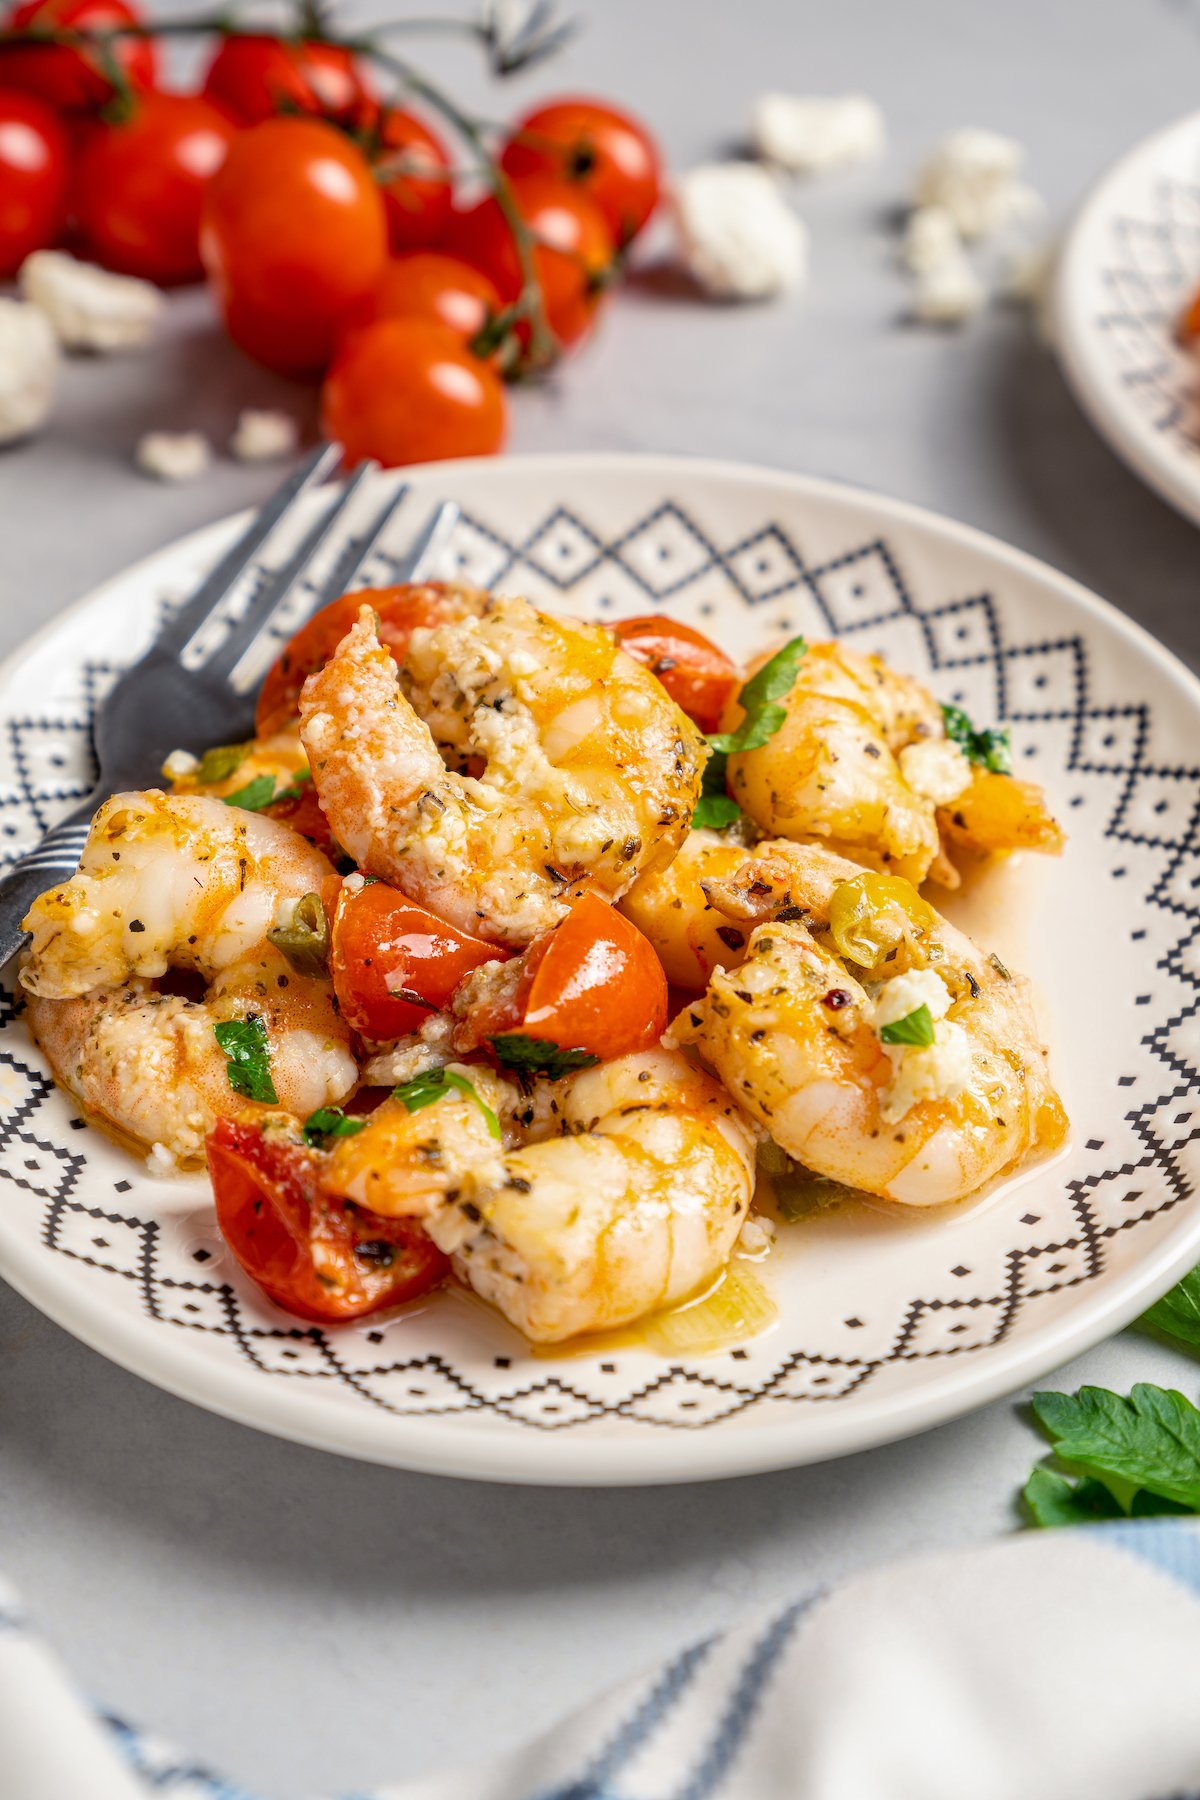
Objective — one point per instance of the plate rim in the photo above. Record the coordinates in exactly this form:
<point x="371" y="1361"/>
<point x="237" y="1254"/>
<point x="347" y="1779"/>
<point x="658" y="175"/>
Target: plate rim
<point x="1146" y="452"/>
<point x="447" y="1448"/>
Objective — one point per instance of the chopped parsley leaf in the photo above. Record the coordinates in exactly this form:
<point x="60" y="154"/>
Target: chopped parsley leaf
<point x="539" y="1056"/>
<point x="254" y="796"/>
<point x="330" y="1122"/>
<point x="429" y="1086"/>
<point x="245" y="1043"/>
<point x="990" y="749"/>
<point x="763" y="717"/>
<point x="915" y="1027"/>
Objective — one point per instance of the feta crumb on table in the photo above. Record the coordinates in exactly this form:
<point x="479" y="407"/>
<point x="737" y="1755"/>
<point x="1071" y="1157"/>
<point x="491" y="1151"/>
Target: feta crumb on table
<point x="173" y="455"/>
<point x="950" y="293"/>
<point x="29" y="363"/>
<point x="737" y="235"/>
<point x="931" y="240"/>
<point x="973" y="175"/>
<point x="807" y="133"/>
<point x="263" y="435"/>
<point x="89" y="308"/>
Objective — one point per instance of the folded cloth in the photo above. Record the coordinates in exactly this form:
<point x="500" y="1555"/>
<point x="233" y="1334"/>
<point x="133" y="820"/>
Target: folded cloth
<point x="1060" y="1665"/>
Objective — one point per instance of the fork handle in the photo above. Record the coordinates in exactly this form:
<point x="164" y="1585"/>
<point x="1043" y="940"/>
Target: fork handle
<point x="55" y="859"/>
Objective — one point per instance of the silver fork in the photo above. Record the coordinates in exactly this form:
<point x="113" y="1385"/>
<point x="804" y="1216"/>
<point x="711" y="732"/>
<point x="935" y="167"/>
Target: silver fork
<point x="194" y="688"/>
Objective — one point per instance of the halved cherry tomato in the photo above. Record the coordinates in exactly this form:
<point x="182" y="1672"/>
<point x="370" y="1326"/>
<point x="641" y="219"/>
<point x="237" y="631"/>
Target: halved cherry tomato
<point x="34" y="159"/>
<point x="399" y="611"/>
<point x="573" y="259"/>
<point x="139" y="183"/>
<point x="699" y="677"/>
<point x="293" y="236"/>
<point x="254" y="77"/>
<point x="603" y="152"/>
<point x="409" y="390"/>
<point x="384" y="946"/>
<point x="313" y="1255"/>
<point x="428" y="285"/>
<point x="71" y="79"/>
<point x="418" y="195"/>
<point x="592" y="983"/>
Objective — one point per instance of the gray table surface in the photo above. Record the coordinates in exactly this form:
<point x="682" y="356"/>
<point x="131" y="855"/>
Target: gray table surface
<point x="307" y="1623"/>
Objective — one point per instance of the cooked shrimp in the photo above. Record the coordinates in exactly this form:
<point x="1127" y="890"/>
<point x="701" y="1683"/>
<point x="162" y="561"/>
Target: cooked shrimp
<point x="588" y="771"/>
<point x="669" y="906"/>
<point x="187" y="884"/>
<point x="625" y="1194"/>
<point x="800" y="1033"/>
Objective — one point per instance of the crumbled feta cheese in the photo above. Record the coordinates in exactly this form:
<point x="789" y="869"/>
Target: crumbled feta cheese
<point x="940" y="1070"/>
<point x="931" y="240"/>
<point x="973" y="175"/>
<point x="949" y="294"/>
<point x="161" y="1160"/>
<point x="28" y="370"/>
<point x="354" y="882"/>
<point x="173" y="455"/>
<point x="903" y="994"/>
<point x="804" y="132"/>
<point x="738" y="237"/>
<point x="757" y="1235"/>
<point x="180" y="764"/>
<point x="89" y="308"/>
<point x="264" y="436"/>
<point x="936" y="769"/>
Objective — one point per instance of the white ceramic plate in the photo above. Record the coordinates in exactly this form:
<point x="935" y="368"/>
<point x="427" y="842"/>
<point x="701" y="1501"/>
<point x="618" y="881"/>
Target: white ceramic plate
<point x="1128" y="268"/>
<point x="888" y="1322"/>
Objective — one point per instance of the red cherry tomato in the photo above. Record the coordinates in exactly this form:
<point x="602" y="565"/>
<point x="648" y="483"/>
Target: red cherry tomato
<point x="71" y="79"/>
<point x="254" y="78"/>
<point x="384" y="946"/>
<point x="699" y="677"/>
<point x="139" y="184"/>
<point x="313" y="1255"/>
<point x="592" y="983"/>
<point x="428" y="285"/>
<point x="305" y="816"/>
<point x="573" y="259"/>
<point x="34" y="161"/>
<point x="606" y="154"/>
<point x="293" y="236"/>
<point x="418" y="195"/>
<point x="399" y="611"/>
<point x="408" y="390"/>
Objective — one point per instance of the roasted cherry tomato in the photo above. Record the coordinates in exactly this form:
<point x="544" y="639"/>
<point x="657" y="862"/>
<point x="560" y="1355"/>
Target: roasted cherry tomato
<point x="305" y="816"/>
<point x="1189" y="324"/>
<point x="312" y="1254"/>
<point x="606" y="154"/>
<point x="293" y="236"/>
<point x="699" y="677"/>
<point x="428" y="285"/>
<point x="385" y="948"/>
<point x="139" y="183"/>
<point x="592" y="983"/>
<point x="408" y="390"/>
<point x="399" y="611"/>
<point x="574" y="257"/>
<point x="73" y="80"/>
<point x="254" y="77"/>
<point x="418" y="194"/>
<point x="34" y="161"/>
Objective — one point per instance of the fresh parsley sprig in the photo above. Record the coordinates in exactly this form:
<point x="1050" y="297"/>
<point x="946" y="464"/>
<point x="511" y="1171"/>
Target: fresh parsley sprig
<point x="262" y="792"/>
<point x="432" y="1084"/>
<point x="330" y="1122"/>
<point x="1142" y="1449"/>
<point x="988" y="749"/>
<point x="1177" y="1314"/>
<point x="759" y="700"/>
<point x="530" y="1056"/>
<point x="915" y="1027"/>
<point x="247" y="1046"/>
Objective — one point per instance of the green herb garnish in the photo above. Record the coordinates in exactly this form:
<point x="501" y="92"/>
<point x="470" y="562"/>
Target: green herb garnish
<point x="220" y="763"/>
<point x="254" y="796"/>
<point x="305" y="939"/>
<point x="1141" y="1449"/>
<point x="1177" y="1314"/>
<point x="330" y="1122"/>
<point x="763" y="717"/>
<point x="990" y="749"/>
<point x="915" y="1027"/>
<point x="245" y="1043"/>
<point x="424" y="1089"/>
<point x="539" y="1056"/>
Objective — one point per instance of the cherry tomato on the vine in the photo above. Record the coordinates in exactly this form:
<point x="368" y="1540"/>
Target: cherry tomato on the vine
<point x="399" y="610"/>
<point x="34" y="166"/>
<point x="385" y="948"/>
<point x="604" y="152"/>
<point x="254" y="77"/>
<point x="429" y="285"/>
<point x="318" y="1256"/>
<point x="592" y="983"/>
<point x="408" y="390"/>
<point x="69" y="77"/>
<point x="699" y="677"/>
<point x="573" y="258"/>
<point x="293" y="236"/>
<point x="139" y="183"/>
<point x="418" y="194"/>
